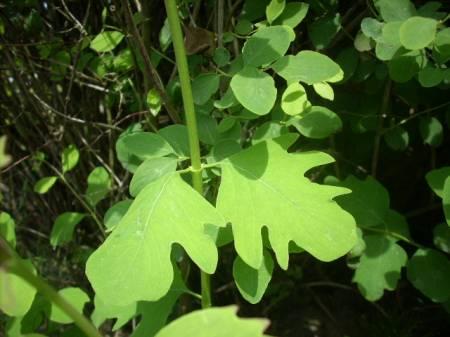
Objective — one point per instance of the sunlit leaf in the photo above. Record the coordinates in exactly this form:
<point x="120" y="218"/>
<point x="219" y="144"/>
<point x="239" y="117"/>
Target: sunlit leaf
<point x="43" y="185"/>
<point x="99" y="185"/>
<point x="69" y="158"/>
<point x="264" y="186"/>
<point x="267" y="45"/>
<point x="274" y="9"/>
<point x="255" y="90"/>
<point x="16" y="294"/>
<point x="137" y="252"/>
<point x="417" y="32"/>
<point x="76" y="297"/>
<point x="64" y="226"/>
<point x="106" y="41"/>
<point x="293" y="14"/>
<point x="149" y="171"/>
<point x="309" y="67"/>
<point x="214" y="322"/>
<point x="8" y="228"/>
<point x="294" y="100"/>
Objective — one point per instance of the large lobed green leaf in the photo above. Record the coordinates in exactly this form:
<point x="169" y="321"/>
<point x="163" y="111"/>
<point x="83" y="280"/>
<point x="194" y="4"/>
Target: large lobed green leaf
<point x="264" y="186"/>
<point x="133" y="264"/>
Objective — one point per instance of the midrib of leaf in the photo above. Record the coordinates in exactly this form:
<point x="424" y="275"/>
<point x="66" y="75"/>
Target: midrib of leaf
<point x="137" y="253"/>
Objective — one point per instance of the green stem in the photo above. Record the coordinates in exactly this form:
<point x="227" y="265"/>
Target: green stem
<point x="191" y="122"/>
<point x="12" y="263"/>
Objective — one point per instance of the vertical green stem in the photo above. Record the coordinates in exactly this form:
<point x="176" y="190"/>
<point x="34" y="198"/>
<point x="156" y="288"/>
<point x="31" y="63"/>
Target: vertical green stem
<point x="189" y="109"/>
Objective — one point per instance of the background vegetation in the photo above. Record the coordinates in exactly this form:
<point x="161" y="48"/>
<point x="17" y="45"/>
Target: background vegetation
<point x="76" y="76"/>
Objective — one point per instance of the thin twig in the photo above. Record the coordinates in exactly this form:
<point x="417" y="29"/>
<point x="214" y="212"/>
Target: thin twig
<point x="378" y="136"/>
<point x="150" y="71"/>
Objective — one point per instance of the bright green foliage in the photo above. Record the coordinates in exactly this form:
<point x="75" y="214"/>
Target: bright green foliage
<point x="436" y="179"/>
<point x="379" y="266"/>
<point x="5" y="159"/>
<point x="43" y="185"/>
<point x="99" y="185"/>
<point x="155" y="314"/>
<point x="372" y="28"/>
<point x="149" y="171"/>
<point x="69" y="158"/>
<point x="274" y="9"/>
<point x="431" y="130"/>
<point x="309" y="67"/>
<point x="128" y="160"/>
<point x="397" y="138"/>
<point x="417" y="32"/>
<point x="324" y="90"/>
<point x="146" y="145"/>
<point x="63" y="228"/>
<point x="429" y="271"/>
<point x="133" y="263"/>
<point x="123" y="61"/>
<point x="255" y="90"/>
<point x="76" y="297"/>
<point x="252" y="283"/>
<point x="8" y="228"/>
<point x="293" y="14"/>
<point x="317" y="122"/>
<point x="294" y="100"/>
<point x="397" y="10"/>
<point x="103" y="311"/>
<point x="106" y="41"/>
<point x="446" y="200"/>
<point x="267" y="45"/>
<point x="441" y="238"/>
<point x="154" y="101"/>
<point x="204" y="86"/>
<point x="214" y="322"/>
<point x="16" y="295"/>
<point x="264" y="186"/>
<point x="115" y="213"/>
